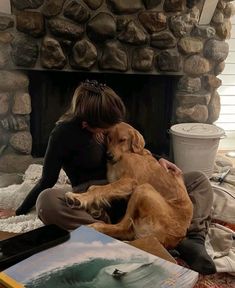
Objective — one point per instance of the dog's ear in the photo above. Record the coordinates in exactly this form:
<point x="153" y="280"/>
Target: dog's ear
<point x="137" y="142"/>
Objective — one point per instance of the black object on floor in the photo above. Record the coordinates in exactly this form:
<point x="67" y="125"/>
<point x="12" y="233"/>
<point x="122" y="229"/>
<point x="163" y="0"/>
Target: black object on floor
<point x="22" y="246"/>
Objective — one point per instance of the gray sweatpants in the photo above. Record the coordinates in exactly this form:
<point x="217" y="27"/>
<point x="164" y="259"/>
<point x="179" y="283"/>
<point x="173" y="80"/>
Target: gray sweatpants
<point x="53" y="209"/>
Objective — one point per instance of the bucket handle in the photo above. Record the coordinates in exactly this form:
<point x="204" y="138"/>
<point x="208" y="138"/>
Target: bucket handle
<point x="223" y="136"/>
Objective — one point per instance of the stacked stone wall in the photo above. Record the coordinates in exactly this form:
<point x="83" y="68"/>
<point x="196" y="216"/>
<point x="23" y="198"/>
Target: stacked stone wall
<point x="126" y="36"/>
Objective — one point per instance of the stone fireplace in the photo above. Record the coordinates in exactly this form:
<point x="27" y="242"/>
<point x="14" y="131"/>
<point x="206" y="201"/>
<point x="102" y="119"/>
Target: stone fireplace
<point x="151" y="40"/>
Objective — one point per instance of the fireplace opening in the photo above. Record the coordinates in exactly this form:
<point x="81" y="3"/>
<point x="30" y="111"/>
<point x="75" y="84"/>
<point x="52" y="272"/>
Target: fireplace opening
<point x="148" y="98"/>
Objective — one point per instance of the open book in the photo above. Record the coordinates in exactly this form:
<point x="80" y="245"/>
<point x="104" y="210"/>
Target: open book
<point x="90" y="259"/>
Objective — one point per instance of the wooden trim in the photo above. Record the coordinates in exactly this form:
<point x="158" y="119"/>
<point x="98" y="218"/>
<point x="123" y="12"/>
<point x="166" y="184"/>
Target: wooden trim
<point x="207" y="13"/>
<point x="5" y="6"/>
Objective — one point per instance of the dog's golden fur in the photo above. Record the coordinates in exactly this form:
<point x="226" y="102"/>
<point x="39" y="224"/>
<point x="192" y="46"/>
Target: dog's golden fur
<point x="158" y="204"/>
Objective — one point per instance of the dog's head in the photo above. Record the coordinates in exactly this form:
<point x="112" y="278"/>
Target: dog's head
<point x="123" y="138"/>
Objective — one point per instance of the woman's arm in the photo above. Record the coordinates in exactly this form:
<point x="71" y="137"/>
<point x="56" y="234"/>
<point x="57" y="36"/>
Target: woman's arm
<point x="51" y="169"/>
<point x="52" y="164"/>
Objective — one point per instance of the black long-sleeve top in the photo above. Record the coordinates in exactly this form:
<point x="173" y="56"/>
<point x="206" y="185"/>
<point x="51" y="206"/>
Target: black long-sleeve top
<point x="76" y="151"/>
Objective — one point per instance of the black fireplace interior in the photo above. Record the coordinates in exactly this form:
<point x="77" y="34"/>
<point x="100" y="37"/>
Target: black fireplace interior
<point x="149" y="100"/>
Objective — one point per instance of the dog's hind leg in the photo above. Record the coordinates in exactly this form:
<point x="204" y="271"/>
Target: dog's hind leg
<point x="121" y="231"/>
<point x="125" y="229"/>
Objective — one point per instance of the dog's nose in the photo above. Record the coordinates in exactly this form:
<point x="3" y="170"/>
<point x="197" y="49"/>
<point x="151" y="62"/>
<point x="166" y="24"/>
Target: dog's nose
<point x="109" y="156"/>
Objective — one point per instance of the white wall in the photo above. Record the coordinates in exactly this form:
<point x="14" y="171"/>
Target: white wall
<point x="227" y="95"/>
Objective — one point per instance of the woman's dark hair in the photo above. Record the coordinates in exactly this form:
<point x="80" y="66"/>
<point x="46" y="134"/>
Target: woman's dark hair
<point x="97" y="104"/>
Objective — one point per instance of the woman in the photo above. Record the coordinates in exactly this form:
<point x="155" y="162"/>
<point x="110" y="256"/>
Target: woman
<point x="76" y="145"/>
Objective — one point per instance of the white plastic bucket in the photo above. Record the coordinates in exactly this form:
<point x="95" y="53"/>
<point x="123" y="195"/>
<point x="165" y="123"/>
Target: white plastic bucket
<point x="195" y="146"/>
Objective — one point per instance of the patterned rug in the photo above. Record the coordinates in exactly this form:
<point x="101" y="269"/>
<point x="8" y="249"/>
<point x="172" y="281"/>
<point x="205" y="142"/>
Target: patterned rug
<point x="218" y="280"/>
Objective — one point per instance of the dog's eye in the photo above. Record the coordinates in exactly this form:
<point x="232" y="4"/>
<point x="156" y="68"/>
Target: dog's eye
<point x="122" y="140"/>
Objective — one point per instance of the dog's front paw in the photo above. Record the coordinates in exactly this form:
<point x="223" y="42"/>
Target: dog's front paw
<point x="72" y="199"/>
<point x="98" y="226"/>
<point x="82" y="201"/>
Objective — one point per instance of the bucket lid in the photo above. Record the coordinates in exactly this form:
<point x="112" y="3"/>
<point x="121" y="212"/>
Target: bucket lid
<point x="197" y="130"/>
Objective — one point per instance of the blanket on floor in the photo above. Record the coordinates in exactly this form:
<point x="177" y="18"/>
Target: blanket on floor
<point x="13" y="195"/>
<point x="220" y="243"/>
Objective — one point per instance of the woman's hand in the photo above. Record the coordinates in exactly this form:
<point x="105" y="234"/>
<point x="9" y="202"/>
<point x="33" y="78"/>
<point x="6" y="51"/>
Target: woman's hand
<point x="6" y="213"/>
<point x="170" y="166"/>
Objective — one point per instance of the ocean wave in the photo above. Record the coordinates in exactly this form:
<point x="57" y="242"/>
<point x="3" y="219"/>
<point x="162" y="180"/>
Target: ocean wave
<point x="99" y="273"/>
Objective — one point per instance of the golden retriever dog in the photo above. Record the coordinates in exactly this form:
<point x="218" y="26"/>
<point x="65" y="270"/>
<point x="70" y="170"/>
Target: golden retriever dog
<point x="158" y="203"/>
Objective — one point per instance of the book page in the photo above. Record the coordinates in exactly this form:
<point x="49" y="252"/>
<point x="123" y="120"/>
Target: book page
<point x="90" y="259"/>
